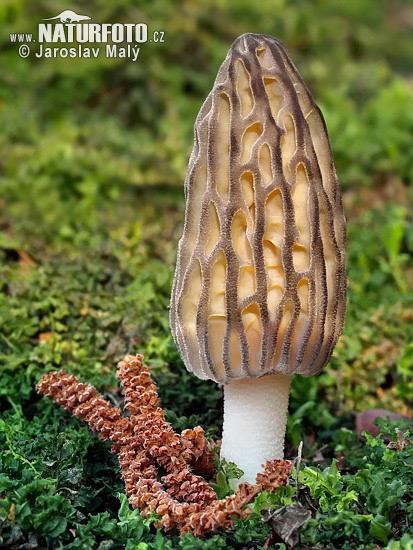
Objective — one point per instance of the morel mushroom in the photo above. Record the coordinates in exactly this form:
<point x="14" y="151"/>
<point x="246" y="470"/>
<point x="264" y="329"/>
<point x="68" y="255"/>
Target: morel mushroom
<point x="259" y="289"/>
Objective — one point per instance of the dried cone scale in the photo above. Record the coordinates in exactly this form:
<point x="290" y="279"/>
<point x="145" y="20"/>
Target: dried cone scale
<point x="259" y="289"/>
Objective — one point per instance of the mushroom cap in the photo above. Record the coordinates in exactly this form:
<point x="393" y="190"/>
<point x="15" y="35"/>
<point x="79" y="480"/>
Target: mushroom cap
<point x="260" y="281"/>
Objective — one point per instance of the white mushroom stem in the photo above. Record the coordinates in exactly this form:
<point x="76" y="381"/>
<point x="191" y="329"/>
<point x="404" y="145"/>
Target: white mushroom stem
<point x="255" y="417"/>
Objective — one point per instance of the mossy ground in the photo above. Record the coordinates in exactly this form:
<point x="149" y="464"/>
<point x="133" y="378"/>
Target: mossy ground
<point x="91" y="207"/>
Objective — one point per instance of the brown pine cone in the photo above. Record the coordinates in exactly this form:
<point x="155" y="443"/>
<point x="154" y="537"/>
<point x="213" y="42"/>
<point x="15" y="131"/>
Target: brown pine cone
<point x="188" y="503"/>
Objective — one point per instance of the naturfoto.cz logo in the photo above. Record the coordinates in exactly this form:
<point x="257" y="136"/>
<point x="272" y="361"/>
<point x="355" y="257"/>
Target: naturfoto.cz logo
<point x="88" y="40"/>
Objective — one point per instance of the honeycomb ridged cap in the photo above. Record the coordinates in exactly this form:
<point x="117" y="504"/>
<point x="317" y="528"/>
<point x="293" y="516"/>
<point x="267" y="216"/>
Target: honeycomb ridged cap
<point x="260" y="283"/>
